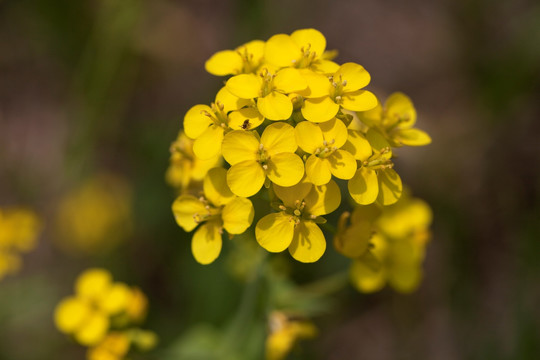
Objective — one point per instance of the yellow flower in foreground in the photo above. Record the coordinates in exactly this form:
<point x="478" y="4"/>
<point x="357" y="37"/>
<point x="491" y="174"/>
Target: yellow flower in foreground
<point x="184" y="167"/>
<point x="243" y="60"/>
<point x="375" y="180"/>
<point x="295" y="227"/>
<point x="395" y="121"/>
<point x="285" y="333"/>
<point x="344" y="90"/>
<point x="304" y="48"/>
<point x="270" y="88"/>
<point x="253" y="160"/>
<point x="218" y="209"/>
<point x="323" y="141"/>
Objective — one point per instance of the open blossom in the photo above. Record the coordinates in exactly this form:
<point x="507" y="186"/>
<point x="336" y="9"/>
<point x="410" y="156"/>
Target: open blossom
<point x="295" y="226"/>
<point x="218" y="209"/>
<point x="253" y="160"/>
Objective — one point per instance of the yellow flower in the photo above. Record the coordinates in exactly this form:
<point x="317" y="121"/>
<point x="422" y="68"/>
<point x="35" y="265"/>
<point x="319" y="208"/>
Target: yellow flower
<point x="344" y="90"/>
<point x="397" y="249"/>
<point x="113" y="347"/>
<point x="270" y="89"/>
<point x="243" y="60"/>
<point x="395" y="121"/>
<point x="355" y="231"/>
<point x="323" y="141"/>
<point x="375" y="180"/>
<point x="184" y="167"/>
<point x="98" y="305"/>
<point x="295" y="227"/>
<point x="208" y="124"/>
<point x="253" y="160"/>
<point x="95" y="216"/>
<point x="285" y="333"/>
<point x="19" y="230"/>
<point x="219" y="209"/>
<point x="304" y="48"/>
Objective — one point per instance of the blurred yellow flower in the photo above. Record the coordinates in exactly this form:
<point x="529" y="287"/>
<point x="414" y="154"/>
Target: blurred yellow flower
<point x="99" y="305"/>
<point x="19" y="230"/>
<point x="95" y="216"/>
<point x="284" y="333"/>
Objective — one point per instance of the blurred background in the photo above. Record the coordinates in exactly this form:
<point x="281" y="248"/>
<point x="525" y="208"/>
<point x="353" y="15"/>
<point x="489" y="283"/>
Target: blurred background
<point x="94" y="90"/>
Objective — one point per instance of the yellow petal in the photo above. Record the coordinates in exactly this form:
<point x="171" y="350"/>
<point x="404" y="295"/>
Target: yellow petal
<point x="224" y="63"/>
<point x="319" y="109"/>
<point x="285" y="169"/>
<point x="356" y="76"/>
<point x="289" y="80"/>
<point x="279" y="137"/>
<point x="281" y="50"/>
<point x="310" y="39"/>
<point x="353" y="242"/>
<point x="360" y="100"/>
<point x="274" y="232"/>
<point x="70" y="314"/>
<point x="255" y="51"/>
<point x="215" y="187"/>
<point x="116" y="299"/>
<point x="400" y="106"/>
<point x="92" y="283"/>
<point x="94" y="329"/>
<point x="318" y="170"/>
<point x="237" y="215"/>
<point x="246" y="178"/>
<point x="342" y="164"/>
<point x="411" y="137"/>
<point x="308" y="244"/>
<point x="291" y="194"/>
<point x="239" y="146"/>
<point x="245" y="119"/>
<point x="364" y="186"/>
<point x="308" y="136"/>
<point x="334" y="132"/>
<point x="196" y="122"/>
<point x="229" y="101"/>
<point x="275" y="106"/>
<point x="405" y="279"/>
<point x="245" y="86"/>
<point x="184" y="207"/>
<point x="323" y="199"/>
<point x="208" y="145"/>
<point x="358" y="146"/>
<point x="390" y="187"/>
<point x="377" y="140"/>
<point x="326" y="67"/>
<point x="206" y="243"/>
<point x="373" y="117"/>
<point x="365" y="278"/>
<point x="318" y="85"/>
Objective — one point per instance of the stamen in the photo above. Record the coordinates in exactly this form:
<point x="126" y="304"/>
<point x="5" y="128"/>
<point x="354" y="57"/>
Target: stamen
<point x="282" y="207"/>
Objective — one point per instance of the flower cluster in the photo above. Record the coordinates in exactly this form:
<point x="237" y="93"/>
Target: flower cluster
<point x="387" y="244"/>
<point x="103" y="315"/>
<point x="295" y="124"/>
<point x="19" y="229"/>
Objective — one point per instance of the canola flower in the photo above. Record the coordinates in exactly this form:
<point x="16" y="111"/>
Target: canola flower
<point x="19" y="230"/>
<point x="293" y="128"/>
<point x="387" y="244"/>
<point x="104" y="315"/>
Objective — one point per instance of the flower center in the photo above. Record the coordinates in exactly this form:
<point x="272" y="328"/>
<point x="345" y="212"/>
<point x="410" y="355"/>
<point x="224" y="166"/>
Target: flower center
<point x="263" y="157"/>
<point x="326" y="149"/>
<point x="379" y="160"/>
<point x="298" y="212"/>
<point x="338" y="85"/>
<point x="268" y="82"/>
<point x="306" y="59"/>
